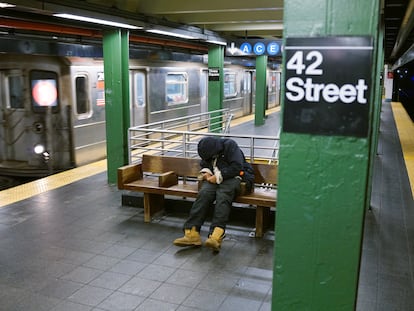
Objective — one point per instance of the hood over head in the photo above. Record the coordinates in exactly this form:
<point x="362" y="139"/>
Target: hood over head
<point x="209" y="147"/>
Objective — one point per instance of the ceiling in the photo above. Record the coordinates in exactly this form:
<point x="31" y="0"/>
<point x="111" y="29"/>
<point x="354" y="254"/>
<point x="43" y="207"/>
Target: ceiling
<point x="258" y="18"/>
<point x="214" y="19"/>
<point x="398" y="19"/>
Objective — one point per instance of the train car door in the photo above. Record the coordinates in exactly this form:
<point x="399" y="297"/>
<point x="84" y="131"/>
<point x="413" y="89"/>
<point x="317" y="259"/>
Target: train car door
<point x="247" y="93"/>
<point x="204" y="90"/>
<point x="32" y="123"/>
<point x="138" y="98"/>
<point x="273" y="89"/>
<point x="278" y="87"/>
<point x="13" y="143"/>
<point x="253" y="79"/>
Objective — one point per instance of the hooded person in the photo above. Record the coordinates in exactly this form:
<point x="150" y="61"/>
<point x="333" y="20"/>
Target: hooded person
<point x="222" y="165"/>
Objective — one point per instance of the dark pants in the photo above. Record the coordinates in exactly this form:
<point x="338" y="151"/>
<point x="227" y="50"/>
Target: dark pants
<point x="223" y="194"/>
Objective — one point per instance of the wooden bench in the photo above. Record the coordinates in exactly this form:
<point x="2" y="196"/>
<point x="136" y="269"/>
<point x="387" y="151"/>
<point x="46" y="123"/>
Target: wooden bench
<point x="158" y="176"/>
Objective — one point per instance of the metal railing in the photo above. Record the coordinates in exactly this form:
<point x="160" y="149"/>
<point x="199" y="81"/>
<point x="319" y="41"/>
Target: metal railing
<point x="179" y="137"/>
<point x="205" y="120"/>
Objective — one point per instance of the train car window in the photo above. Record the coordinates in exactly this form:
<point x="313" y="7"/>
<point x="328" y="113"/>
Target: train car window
<point x="230" y="87"/>
<point x="272" y="82"/>
<point x="203" y="83"/>
<point x="82" y="95"/>
<point x="15" y="93"/>
<point x="176" y="88"/>
<point x="247" y="83"/>
<point x="139" y="89"/>
<point x="254" y="82"/>
<point x="44" y="91"/>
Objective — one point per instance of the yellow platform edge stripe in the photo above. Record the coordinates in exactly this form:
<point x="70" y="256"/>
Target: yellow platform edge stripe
<point x="405" y="128"/>
<point x="51" y="182"/>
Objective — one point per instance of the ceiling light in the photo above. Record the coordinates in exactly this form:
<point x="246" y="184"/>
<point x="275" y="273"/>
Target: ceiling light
<point x="170" y="33"/>
<point x="4" y="5"/>
<point x="96" y="21"/>
<point x="217" y="42"/>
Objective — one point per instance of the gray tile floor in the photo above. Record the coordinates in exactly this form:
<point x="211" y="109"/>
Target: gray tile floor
<point x="77" y="248"/>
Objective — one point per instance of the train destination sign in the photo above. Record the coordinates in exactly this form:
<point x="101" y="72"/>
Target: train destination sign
<point x="327" y="88"/>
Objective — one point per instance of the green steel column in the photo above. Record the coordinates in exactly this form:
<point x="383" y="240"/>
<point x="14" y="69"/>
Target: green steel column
<point x="322" y="181"/>
<point x="215" y="80"/>
<point x="260" y="105"/>
<point x="116" y="70"/>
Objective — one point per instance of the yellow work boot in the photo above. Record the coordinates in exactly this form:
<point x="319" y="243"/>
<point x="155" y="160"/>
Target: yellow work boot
<point x="214" y="240"/>
<point x="191" y="238"/>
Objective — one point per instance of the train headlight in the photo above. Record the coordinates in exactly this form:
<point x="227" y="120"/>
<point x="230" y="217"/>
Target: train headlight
<point x="46" y="156"/>
<point x="39" y="149"/>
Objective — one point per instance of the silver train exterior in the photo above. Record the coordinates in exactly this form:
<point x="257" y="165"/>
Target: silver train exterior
<point x="52" y="111"/>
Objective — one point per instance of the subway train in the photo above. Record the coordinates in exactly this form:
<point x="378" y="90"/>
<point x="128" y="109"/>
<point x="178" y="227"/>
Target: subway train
<point x="52" y="113"/>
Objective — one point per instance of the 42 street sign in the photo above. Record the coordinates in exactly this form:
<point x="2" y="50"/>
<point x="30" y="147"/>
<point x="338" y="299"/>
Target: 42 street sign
<point x="327" y="85"/>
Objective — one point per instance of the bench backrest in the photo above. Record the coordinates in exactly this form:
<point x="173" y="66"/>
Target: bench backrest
<point x="181" y="166"/>
<point x="264" y="173"/>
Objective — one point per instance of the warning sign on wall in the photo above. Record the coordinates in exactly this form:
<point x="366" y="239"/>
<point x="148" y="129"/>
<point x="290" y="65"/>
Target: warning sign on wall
<point x="327" y="86"/>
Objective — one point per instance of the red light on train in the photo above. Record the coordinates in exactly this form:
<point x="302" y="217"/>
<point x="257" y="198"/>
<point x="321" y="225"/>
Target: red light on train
<point x="44" y="92"/>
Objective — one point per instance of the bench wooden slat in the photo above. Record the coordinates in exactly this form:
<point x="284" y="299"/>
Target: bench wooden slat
<point x="151" y="186"/>
<point x="168" y="169"/>
<point x="263" y="198"/>
<point x="180" y="166"/>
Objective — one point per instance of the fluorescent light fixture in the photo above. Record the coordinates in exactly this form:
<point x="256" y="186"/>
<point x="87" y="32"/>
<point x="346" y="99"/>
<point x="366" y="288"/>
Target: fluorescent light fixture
<point x="96" y="21"/>
<point x="170" y="33"/>
<point x="217" y="42"/>
<point x="4" y="5"/>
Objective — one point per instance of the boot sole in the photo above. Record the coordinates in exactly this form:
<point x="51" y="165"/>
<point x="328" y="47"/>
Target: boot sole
<point x="185" y="244"/>
<point x="213" y="247"/>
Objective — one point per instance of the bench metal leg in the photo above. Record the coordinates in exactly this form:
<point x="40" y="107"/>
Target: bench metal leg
<point x="262" y="220"/>
<point x="153" y="203"/>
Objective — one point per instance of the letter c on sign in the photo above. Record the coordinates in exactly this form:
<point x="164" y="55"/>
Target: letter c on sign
<point x="259" y="48"/>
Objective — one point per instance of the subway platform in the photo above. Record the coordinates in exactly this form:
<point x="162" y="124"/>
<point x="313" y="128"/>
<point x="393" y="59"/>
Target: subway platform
<point x="73" y="246"/>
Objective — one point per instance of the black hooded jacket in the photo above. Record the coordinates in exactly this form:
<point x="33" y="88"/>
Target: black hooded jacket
<point x="230" y="158"/>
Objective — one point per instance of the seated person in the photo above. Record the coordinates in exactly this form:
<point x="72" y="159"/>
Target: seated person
<point x="223" y="167"/>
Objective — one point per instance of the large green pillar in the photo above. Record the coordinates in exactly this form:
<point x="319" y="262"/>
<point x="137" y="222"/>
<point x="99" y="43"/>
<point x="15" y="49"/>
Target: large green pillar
<point x="261" y="91"/>
<point x="323" y="178"/>
<point x="116" y="59"/>
<point x="215" y="81"/>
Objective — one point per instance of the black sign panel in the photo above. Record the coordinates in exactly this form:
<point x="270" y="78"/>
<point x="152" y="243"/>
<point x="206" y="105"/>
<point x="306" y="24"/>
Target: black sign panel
<point x="213" y="74"/>
<point x="327" y="85"/>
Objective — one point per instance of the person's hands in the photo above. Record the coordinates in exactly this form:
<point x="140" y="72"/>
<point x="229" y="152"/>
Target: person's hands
<point x="206" y="175"/>
<point x="212" y="179"/>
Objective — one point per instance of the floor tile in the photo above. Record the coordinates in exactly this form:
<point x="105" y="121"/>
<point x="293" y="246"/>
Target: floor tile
<point x="110" y="280"/>
<point x="175" y="294"/>
<point x="121" y="302"/>
<point x="90" y="295"/>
